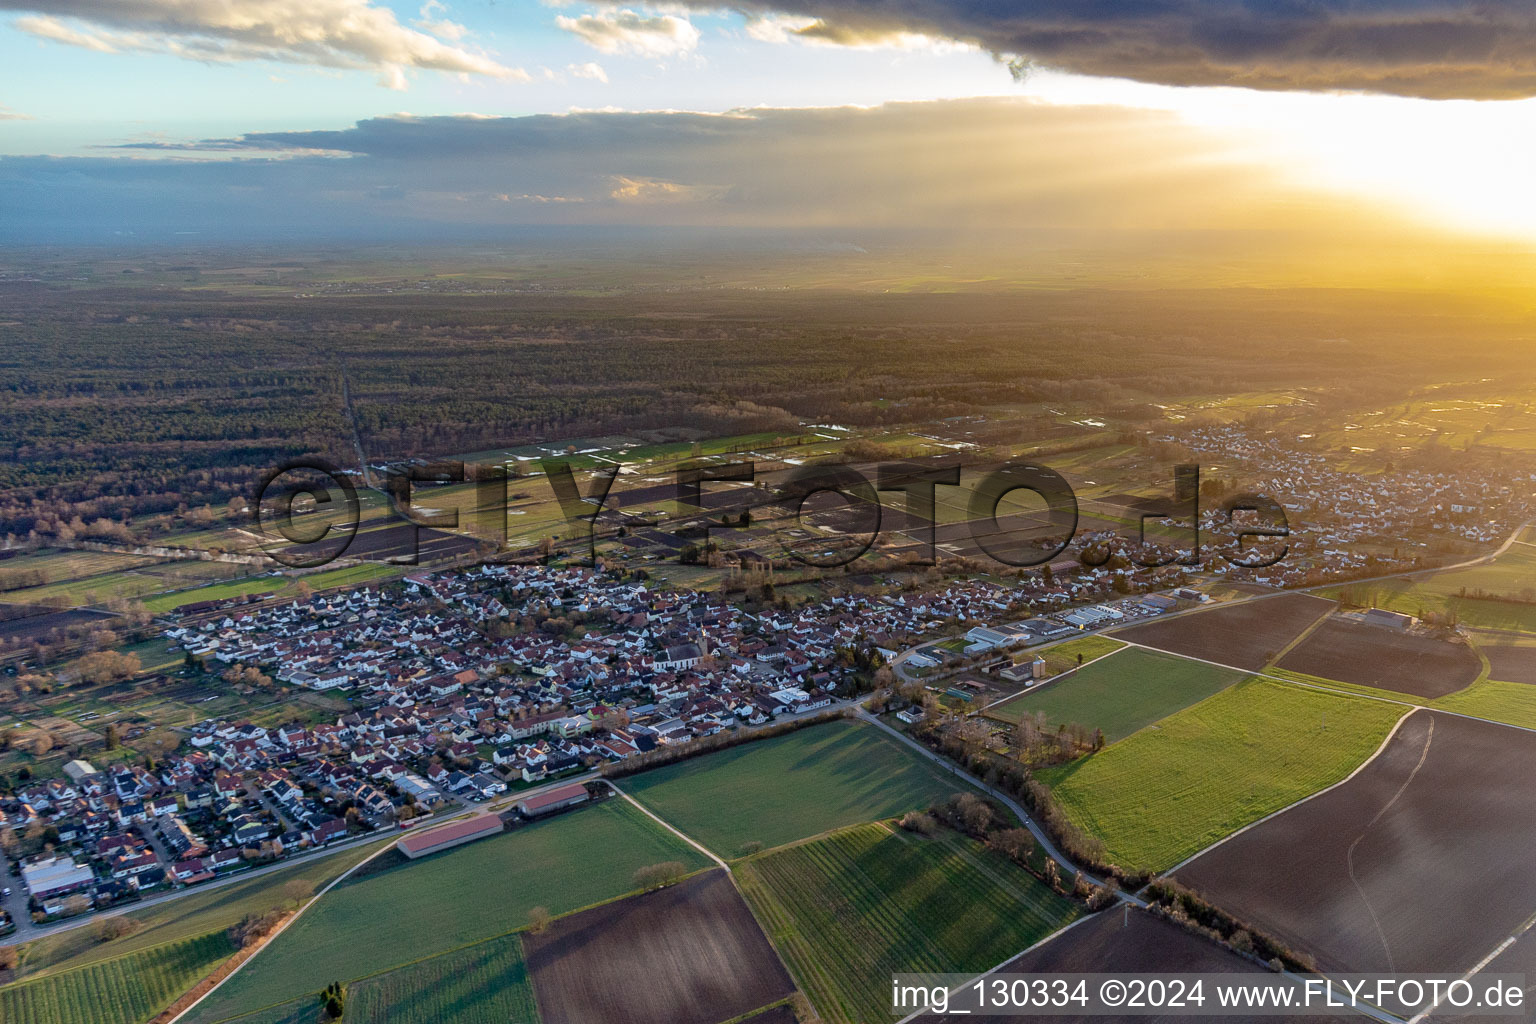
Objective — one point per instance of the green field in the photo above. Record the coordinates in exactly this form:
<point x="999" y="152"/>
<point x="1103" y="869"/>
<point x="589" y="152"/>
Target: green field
<point x="1512" y="575"/>
<point x="414" y="909"/>
<point x="849" y="910"/>
<point x="486" y="983"/>
<point x="299" y="1011"/>
<point x="1200" y="774"/>
<point x="125" y="990"/>
<point x="1514" y="703"/>
<point x="1062" y="656"/>
<point x="215" y="592"/>
<point x="801" y="784"/>
<point x="189" y="916"/>
<point x="1121" y="693"/>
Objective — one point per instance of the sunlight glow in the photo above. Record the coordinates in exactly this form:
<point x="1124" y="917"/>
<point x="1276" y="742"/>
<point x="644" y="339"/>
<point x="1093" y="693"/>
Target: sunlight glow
<point x="1458" y="163"/>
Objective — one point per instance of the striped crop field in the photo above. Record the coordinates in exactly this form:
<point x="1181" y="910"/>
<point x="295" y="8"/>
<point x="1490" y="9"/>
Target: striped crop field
<point x="125" y="990"/>
<point x="849" y="910"/>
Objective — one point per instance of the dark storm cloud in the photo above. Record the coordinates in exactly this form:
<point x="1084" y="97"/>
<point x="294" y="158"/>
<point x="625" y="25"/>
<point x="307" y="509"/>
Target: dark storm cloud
<point x="1478" y="49"/>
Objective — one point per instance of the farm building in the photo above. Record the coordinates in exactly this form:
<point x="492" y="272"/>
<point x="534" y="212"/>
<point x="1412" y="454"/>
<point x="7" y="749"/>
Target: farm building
<point x="1382" y="617"/>
<point x="1092" y="616"/>
<point x="449" y="836"/>
<point x="78" y="770"/>
<point x="554" y="800"/>
<point x="1026" y="672"/>
<point x="985" y="638"/>
<point x="55" y="876"/>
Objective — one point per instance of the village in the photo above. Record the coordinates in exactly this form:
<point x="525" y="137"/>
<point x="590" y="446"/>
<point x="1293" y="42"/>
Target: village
<point x="466" y="685"/>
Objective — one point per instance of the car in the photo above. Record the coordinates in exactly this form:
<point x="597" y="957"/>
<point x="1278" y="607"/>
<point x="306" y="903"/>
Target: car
<point x="5" y="893"/>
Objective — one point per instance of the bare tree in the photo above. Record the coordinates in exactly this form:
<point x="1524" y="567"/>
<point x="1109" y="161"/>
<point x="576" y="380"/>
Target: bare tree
<point x="297" y="890"/>
<point x="538" y="919"/>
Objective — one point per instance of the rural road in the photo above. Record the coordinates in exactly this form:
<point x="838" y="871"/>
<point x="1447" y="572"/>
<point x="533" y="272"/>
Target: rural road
<point x="1003" y="798"/>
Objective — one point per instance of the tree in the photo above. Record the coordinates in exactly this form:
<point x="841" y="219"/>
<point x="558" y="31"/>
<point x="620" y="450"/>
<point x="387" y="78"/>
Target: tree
<point x="76" y="904"/>
<point x="917" y="821"/>
<point x="106" y="667"/>
<point x="333" y="1001"/>
<point x="538" y="919"/>
<point x="9" y="958"/>
<point x="973" y="813"/>
<point x="296" y="891"/>
<point x="1014" y="843"/>
<point x="110" y="928"/>
<point x="656" y="876"/>
<point x="112" y="736"/>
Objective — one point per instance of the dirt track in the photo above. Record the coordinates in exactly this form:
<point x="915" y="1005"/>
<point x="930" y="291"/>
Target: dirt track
<point x="689" y="954"/>
<point x="1367" y="655"/>
<point x="1245" y="634"/>
<point x="1421" y="862"/>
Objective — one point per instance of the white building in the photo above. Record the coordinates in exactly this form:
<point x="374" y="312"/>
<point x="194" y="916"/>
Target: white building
<point x="54" y="876"/>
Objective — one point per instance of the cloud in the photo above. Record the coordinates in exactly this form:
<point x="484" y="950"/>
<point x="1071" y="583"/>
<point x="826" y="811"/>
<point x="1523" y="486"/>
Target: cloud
<point x="440" y="27"/>
<point x="627" y="31"/>
<point x="984" y="166"/>
<point x="324" y="33"/>
<point x="7" y="114"/>
<point x="591" y="69"/>
<point x="1475" y="49"/>
<point x="780" y="28"/>
<point x="652" y="190"/>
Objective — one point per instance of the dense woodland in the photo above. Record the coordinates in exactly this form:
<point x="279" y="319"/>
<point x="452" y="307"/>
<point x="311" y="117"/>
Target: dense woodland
<point x="122" y="402"/>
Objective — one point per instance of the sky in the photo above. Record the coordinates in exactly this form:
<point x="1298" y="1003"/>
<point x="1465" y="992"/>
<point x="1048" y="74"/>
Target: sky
<point x="188" y="116"/>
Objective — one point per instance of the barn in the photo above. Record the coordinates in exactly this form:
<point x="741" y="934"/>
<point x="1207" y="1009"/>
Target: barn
<point x="457" y="834"/>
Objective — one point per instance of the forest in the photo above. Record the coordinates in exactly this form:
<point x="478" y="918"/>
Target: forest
<point x="119" y="401"/>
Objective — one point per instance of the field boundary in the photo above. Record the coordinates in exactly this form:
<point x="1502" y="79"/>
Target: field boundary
<point x="1030" y="949"/>
<point x="1324" y="687"/>
<point x="1310" y="796"/>
<point x="1298" y="639"/>
<point x="1058" y="677"/>
<point x="1484" y="962"/>
<point x="664" y="824"/>
<point x="415" y="961"/>
<point x="279" y="930"/>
